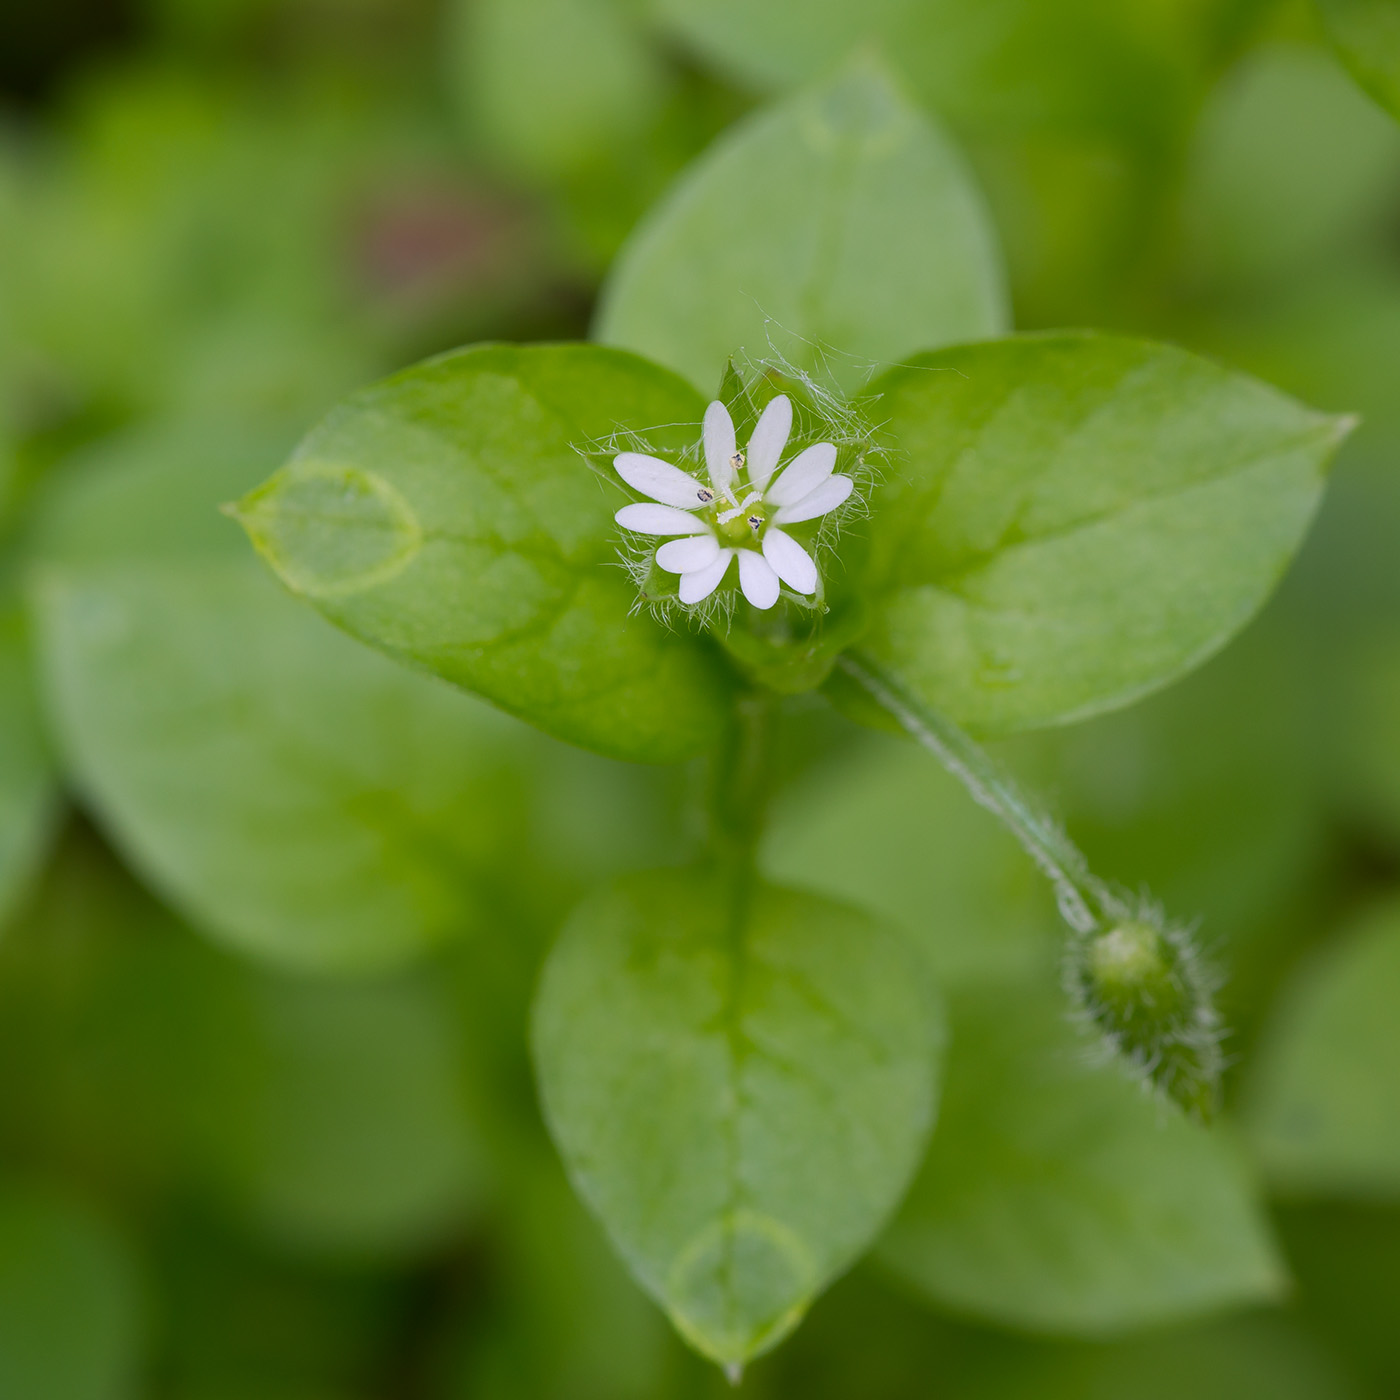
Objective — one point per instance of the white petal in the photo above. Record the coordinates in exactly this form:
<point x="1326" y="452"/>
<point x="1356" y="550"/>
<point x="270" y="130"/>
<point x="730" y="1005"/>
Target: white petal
<point x="719" y="444"/>
<point x="805" y="473"/>
<point x="659" y="520"/>
<point x="790" y="561"/>
<point x="703" y="582"/>
<point x="826" y="497"/>
<point x="685" y="556"/>
<point x="659" y="480"/>
<point x="757" y="579"/>
<point x="768" y="440"/>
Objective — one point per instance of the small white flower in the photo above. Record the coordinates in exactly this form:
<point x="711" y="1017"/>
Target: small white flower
<point x="740" y="512"/>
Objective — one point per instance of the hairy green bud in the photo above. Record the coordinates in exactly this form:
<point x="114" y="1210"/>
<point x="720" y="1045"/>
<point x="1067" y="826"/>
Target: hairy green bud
<point x="1146" y="989"/>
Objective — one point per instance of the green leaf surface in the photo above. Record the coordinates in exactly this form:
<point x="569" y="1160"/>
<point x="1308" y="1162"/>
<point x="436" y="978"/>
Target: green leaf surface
<point x="839" y="230"/>
<point x="70" y="1316"/>
<point x="28" y="794"/>
<point x="447" y="517"/>
<point x="1366" y="34"/>
<point x="290" y="791"/>
<point x="740" y="1083"/>
<point x="1058" y="1197"/>
<point x="1324" y="1101"/>
<point x="886" y="828"/>
<point x="1073" y="520"/>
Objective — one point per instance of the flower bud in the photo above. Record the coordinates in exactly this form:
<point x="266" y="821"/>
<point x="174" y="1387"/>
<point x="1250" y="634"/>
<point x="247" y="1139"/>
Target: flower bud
<point x="1146" y="990"/>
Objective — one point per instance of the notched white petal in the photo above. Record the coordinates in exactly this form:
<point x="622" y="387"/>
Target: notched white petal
<point x="769" y="438"/>
<point x="804" y="474"/>
<point x="659" y="520"/>
<point x="696" y="587"/>
<point x="719" y="444"/>
<point x="659" y="480"/>
<point x="685" y="556"/>
<point x="790" y="561"/>
<point x="826" y="497"/>
<point x="757" y="579"/>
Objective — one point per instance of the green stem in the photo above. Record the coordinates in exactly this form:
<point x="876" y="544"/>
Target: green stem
<point x="1086" y="903"/>
<point x="741" y="779"/>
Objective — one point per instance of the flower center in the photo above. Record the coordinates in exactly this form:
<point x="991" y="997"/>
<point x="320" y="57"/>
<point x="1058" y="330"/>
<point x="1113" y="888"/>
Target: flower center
<point x="741" y="525"/>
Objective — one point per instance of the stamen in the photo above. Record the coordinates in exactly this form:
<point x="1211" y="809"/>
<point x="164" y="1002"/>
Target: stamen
<point x="754" y="522"/>
<point x="706" y="495"/>
<point x="737" y="461"/>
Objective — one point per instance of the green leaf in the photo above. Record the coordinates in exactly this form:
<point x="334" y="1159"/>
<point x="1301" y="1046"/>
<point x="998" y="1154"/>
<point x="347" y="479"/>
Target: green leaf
<point x="1367" y="35"/>
<point x="1324" y="1101"/>
<point x="1293" y="169"/>
<point x="1074" y="520"/>
<point x="1059" y="1197"/>
<point x="552" y="84"/>
<point x="447" y="517"/>
<point x="70" y="1323"/>
<point x="839" y="230"/>
<point x="28" y="794"/>
<point x="1016" y="64"/>
<point x="740" y="1081"/>
<point x="289" y="790"/>
<point x="889" y="830"/>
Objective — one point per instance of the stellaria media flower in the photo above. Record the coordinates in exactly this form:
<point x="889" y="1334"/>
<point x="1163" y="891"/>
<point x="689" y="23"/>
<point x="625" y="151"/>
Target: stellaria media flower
<point x="742" y="510"/>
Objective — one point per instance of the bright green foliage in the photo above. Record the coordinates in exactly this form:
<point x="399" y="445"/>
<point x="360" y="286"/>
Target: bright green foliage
<point x="70" y="1315"/>
<point x="27" y="795"/>
<point x="341" y="813"/>
<point x="1058" y="1196"/>
<point x="838" y="231"/>
<point x="1325" y="1103"/>
<point x="1076" y="520"/>
<point x="740" y="1080"/>
<point x="1367" y="35"/>
<point x="449" y="517"/>
<point x="886" y="828"/>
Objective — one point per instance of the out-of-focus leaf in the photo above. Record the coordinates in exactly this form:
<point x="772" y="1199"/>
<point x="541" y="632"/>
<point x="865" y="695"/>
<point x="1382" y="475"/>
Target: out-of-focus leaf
<point x="292" y="792"/>
<point x="839" y="230"/>
<point x="1076" y="520"/>
<point x="740" y="1081"/>
<point x="1367" y="35"/>
<point x="448" y="517"/>
<point x="348" y="1128"/>
<point x="70" y="1313"/>
<point x="1085" y="62"/>
<point x="564" y="1318"/>
<point x="1058" y="1197"/>
<point x="28" y="798"/>
<point x="1292" y="167"/>
<point x="1325" y="1104"/>
<point x="330" y="1117"/>
<point x="553" y="83"/>
<point x="890" y="831"/>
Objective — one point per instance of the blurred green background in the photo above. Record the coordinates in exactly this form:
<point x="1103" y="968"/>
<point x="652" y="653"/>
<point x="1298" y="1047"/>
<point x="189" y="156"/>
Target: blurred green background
<point x="272" y="908"/>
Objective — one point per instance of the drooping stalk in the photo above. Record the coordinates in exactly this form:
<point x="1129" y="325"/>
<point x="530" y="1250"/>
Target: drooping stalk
<point x="1085" y="902"/>
<point x="1139" y="979"/>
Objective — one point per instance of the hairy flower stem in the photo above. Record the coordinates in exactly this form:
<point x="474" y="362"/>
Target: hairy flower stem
<point x="1140" y="980"/>
<point x="1086" y="903"/>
